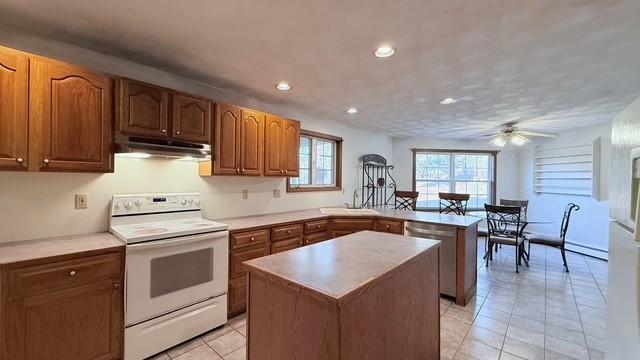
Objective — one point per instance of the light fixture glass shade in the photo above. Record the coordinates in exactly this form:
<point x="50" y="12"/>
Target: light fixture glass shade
<point x="384" y="51"/>
<point x="352" y="110"/>
<point x="283" y="86"/>
<point x="500" y="141"/>
<point x="518" y="140"/>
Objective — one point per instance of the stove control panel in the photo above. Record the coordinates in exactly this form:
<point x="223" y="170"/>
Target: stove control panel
<point x="154" y="203"/>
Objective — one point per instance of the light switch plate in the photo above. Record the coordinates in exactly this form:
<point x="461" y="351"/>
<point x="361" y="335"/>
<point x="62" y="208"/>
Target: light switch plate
<point x="81" y="201"/>
<point x="245" y="194"/>
<point x="276" y="193"/>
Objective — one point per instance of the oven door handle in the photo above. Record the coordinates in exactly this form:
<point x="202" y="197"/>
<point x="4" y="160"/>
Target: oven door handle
<point x="179" y="241"/>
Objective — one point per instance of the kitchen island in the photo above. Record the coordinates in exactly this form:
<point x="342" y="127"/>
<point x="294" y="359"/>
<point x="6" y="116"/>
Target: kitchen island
<point x="367" y="295"/>
<point x="254" y="236"/>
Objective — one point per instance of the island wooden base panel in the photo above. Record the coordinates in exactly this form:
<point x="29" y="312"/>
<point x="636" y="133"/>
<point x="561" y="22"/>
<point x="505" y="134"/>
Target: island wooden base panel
<point x="395" y="319"/>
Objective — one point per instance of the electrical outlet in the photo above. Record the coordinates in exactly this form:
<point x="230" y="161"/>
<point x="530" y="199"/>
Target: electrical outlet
<point x="276" y="193"/>
<point x="81" y="201"/>
<point x="245" y="194"/>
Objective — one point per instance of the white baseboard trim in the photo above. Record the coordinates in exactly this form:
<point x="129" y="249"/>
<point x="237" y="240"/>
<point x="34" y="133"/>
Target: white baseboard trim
<point x="587" y="250"/>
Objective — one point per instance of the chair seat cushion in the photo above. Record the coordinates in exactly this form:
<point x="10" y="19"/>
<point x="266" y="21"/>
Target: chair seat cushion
<point x="544" y="239"/>
<point x="505" y="240"/>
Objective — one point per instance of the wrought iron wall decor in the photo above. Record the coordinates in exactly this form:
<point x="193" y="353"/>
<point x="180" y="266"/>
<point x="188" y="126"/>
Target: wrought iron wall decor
<point x="378" y="185"/>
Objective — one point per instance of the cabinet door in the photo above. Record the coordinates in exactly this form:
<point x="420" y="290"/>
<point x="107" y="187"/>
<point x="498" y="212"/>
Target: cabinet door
<point x="14" y="122"/>
<point x="85" y="322"/>
<point x="273" y="145"/>
<point x="142" y="109"/>
<point x="227" y="140"/>
<point x="285" y="245"/>
<point x="191" y="118"/>
<point x="70" y="118"/>
<point x="237" y="296"/>
<point x="251" y="142"/>
<point x="291" y="148"/>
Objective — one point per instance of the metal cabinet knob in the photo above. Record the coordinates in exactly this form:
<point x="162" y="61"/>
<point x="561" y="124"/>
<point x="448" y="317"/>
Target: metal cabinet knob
<point x="238" y="171"/>
<point x="243" y="170"/>
<point x="388" y="226"/>
<point x="177" y="132"/>
<point x="72" y="273"/>
<point x="252" y="238"/>
<point x="164" y="131"/>
<point x="20" y="160"/>
<point x="285" y="171"/>
<point x="46" y="161"/>
<point x="116" y="286"/>
<point x="288" y="232"/>
<point x="319" y="226"/>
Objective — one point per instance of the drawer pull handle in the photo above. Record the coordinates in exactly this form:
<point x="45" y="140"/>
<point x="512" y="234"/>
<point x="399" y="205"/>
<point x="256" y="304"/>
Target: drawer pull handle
<point x="116" y="286"/>
<point x="319" y="226"/>
<point x="252" y="238"/>
<point x="177" y="132"/>
<point x="72" y="273"/>
<point x="20" y="160"/>
<point x="388" y="226"/>
<point x="288" y="232"/>
<point x="46" y="161"/>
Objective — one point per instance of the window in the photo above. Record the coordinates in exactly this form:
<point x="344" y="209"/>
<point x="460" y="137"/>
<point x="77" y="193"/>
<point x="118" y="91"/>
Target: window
<point x="320" y="163"/>
<point x="469" y="172"/>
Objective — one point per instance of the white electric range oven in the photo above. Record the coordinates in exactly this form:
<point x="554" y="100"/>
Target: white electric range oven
<point x="176" y="270"/>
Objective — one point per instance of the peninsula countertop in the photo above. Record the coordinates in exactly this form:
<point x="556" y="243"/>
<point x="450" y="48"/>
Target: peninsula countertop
<point x="335" y="269"/>
<point x="265" y="220"/>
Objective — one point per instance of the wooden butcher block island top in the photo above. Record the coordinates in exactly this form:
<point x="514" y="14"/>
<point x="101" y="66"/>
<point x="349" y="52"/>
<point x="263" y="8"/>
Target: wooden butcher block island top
<point x="367" y="295"/>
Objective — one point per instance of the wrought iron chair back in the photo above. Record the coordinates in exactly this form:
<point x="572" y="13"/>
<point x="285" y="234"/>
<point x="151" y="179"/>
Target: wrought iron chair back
<point x="565" y="219"/>
<point x="523" y="204"/>
<point x="406" y="200"/>
<point x="453" y="203"/>
<point x="502" y="220"/>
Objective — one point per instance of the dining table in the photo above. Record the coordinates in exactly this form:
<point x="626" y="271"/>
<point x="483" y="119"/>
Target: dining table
<point x="524" y="222"/>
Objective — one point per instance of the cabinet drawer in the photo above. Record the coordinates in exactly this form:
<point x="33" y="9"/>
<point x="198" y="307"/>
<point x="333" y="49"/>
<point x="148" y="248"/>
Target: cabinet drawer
<point x="390" y="226"/>
<point x="64" y="274"/>
<point x="316" y="237"/>
<point x="286" y="232"/>
<point x="237" y="294"/>
<point x="244" y="254"/>
<point x="351" y="224"/>
<point x="285" y="245"/>
<point x="249" y="238"/>
<point x="316" y="226"/>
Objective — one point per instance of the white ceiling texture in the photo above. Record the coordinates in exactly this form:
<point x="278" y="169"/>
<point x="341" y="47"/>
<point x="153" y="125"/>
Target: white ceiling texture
<point x="549" y="64"/>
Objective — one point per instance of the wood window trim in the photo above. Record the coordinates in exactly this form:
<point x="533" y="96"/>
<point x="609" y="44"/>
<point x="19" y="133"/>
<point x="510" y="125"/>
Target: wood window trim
<point x="338" y="140"/>
<point x="494" y="154"/>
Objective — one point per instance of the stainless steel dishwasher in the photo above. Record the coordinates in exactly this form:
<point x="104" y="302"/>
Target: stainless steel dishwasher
<point x="448" y="237"/>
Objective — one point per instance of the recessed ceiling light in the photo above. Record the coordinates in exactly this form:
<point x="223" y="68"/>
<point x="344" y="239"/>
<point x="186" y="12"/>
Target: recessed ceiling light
<point x="352" y="110"/>
<point x="448" y="101"/>
<point x="384" y="51"/>
<point x="283" y="86"/>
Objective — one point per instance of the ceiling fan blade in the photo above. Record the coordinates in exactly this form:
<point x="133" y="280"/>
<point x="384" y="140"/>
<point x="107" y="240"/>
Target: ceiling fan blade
<point x="490" y="135"/>
<point x="535" y="133"/>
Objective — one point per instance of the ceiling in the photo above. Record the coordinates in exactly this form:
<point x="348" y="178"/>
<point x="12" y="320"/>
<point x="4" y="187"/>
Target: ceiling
<point x="551" y="65"/>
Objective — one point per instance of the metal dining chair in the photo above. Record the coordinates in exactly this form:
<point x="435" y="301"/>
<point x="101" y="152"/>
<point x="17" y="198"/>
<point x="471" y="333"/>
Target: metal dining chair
<point x="453" y="203"/>
<point x="523" y="204"/>
<point x="552" y="240"/>
<point x="406" y="200"/>
<point x="501" y="221"/>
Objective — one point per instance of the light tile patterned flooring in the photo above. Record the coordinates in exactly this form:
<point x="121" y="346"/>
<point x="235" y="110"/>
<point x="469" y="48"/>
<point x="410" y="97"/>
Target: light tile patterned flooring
<point x="540" y="313"/>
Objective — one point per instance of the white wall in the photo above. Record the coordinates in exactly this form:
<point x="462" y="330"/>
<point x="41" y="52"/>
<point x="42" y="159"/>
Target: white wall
<point x="590" y="225"/>
<point x="507" y="174"/>
<point x="34" y="205"/>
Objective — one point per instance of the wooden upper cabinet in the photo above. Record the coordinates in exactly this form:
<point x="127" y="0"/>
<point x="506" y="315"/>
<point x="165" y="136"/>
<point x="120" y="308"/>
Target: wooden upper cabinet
<point x="191" y="118"/>
<point x="142" y="109"/>
<point x="251" y="142"/>
<point x="273" y="145"/>
<point x="14" y="121"/>
<point x="227" y="140"/>
<point x="70" y="118"/>
<point x="291" y="148"/>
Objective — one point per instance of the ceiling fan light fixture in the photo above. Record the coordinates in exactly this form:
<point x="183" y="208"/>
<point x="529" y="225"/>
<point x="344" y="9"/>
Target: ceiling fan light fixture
<point x="352" y="110"/>
<point x="384" y="51"/>
<point x="500" y="141"/>
<point x="518" y="140"/>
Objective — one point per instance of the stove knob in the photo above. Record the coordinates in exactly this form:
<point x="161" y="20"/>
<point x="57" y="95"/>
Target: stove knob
<point x="138" y="202"/>
<point x="197" y="202"/>
<point x="190" y="201"/>
<point x="128" y="205"/>
<point x="183" y="202"/>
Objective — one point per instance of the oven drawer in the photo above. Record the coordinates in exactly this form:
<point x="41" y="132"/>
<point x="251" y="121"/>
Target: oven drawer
<point x="248" y="238"/>
<point x="286" y="232"/>
<point x="244" y="254"/>
<point x="316" y="226"/>
<point x="65" y="274"/>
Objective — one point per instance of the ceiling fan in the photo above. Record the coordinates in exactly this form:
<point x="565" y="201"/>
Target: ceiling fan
<point x="510" y="134"/>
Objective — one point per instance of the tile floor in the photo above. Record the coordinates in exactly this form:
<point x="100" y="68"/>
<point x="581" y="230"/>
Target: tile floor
<point x="540" y="313"/>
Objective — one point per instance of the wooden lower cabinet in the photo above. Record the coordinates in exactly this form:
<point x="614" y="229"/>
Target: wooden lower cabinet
<point x="288" y="244"/>
<point x="80" y="318"/>
<point x="389" y="226"/>
<point x="345" y="226"/>
<point x="237" y="296"/>
<point x="316" y="237"/>
<point x="243" y="245"/>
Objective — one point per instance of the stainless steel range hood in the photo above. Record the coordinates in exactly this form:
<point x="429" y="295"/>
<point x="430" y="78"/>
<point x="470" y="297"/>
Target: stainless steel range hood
<point x="161" y="147"/>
